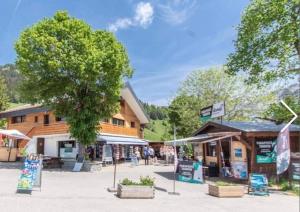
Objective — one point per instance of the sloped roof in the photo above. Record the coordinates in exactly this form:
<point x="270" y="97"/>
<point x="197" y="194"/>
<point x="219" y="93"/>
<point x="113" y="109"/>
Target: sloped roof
<point x="251" y="126"/>
<point x="127" y="93"/>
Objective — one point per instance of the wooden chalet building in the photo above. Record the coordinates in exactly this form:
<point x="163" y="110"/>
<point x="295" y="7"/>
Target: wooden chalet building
<point x="251" y="143"/>
<point x="50" y="134"/>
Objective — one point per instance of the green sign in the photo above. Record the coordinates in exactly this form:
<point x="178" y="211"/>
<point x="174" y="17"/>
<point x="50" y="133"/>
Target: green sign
<point x="205" y="114"/>
<point x="265" y="151"/>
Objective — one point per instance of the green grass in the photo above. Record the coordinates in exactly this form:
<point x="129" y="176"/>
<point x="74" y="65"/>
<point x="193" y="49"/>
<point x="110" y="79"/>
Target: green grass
<point x="156" y="130"/>
<point x="13" y="105"/>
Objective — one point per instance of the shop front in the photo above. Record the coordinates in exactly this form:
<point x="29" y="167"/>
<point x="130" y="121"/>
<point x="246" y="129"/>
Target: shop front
<point x="235" y="149"/>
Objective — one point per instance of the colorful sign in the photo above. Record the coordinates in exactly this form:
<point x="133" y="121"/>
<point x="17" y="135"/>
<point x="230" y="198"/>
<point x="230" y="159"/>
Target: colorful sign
<point x="283" y="151"/>
<point x="29" y="175"/>
<point x="214" y="111"/>
<point x="239" y="170"/>
<point x="265" y="151"/>
<point x="190" y="171"/>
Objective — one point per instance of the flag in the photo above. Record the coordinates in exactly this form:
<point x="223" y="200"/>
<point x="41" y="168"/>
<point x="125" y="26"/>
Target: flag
<point x="283" y="151"/>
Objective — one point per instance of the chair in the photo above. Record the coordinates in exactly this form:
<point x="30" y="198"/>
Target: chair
<point x="258" y="184"/>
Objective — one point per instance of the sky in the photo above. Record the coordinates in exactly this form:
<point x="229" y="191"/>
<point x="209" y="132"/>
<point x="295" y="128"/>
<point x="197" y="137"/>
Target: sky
<point x="165" y="40"/>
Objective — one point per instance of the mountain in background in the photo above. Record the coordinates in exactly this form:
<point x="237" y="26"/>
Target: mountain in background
<point x="12" y="79"/>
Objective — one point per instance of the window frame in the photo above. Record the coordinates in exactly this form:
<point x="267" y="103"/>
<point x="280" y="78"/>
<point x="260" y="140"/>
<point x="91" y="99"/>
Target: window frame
<point x="118" y="122"/>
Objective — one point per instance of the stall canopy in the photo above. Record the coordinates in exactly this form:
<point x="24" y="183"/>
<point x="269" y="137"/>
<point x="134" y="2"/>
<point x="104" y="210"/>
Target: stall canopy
<point x="15" y="134"/>
<point x="203" y="138"/>
<point x="109" y="139"/>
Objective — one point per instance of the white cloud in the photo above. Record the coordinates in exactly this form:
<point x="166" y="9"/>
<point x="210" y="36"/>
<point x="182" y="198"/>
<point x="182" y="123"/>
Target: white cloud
<point x="177" y="11"/>
<point x="143" y="17"/>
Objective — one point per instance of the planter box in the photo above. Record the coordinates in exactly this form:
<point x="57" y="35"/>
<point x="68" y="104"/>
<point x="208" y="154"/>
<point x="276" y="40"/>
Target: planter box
<point x="92" y="166"/>
<point x="135" y="192"/>
<point x="226" y="191"/>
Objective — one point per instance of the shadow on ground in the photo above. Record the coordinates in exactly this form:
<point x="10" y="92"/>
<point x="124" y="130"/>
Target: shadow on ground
<point x="167" y="175"/>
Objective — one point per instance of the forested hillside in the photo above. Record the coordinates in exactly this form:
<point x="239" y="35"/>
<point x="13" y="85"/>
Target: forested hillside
<point x="12" y="79"/>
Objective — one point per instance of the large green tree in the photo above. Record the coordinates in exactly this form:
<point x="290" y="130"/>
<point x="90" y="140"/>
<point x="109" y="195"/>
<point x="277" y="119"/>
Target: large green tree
<point x="268" y="41"/>
<point x="203" y="88"/>
<point x="74" y="70"/>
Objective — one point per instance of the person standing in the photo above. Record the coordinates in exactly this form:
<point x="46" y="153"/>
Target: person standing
<point x="146" y="155"/>
<point x="138" y="155"/>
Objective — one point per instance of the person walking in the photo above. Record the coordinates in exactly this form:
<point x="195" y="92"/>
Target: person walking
<point x="138" y="155"/>
<point x="146" y="155"/>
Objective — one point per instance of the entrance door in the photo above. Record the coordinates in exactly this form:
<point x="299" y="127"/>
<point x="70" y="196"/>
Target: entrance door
<point x="40" y="148"/>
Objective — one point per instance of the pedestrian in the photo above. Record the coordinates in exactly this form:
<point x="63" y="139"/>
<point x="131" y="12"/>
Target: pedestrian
<point x="146" y="155"/>
<point x="138" y="155"/>
<point x="151" y="154"/>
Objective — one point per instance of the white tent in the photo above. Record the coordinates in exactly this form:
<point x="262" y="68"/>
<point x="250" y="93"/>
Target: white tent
<point x="14" y="134"/>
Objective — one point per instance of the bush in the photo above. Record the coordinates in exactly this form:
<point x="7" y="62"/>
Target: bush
<point x="223" y="183"/>
<point x="144" y="181"/>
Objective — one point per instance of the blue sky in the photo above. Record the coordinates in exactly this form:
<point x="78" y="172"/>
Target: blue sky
<point x="165" y="40"/>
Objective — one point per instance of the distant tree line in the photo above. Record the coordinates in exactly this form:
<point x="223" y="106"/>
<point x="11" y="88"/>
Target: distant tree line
<point x="156" y="112"/>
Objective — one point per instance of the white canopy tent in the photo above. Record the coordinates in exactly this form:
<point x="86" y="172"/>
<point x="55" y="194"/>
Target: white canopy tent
<point x="14" y="134"/>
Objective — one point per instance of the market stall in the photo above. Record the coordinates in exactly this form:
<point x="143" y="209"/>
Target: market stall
<point x="8" y="144"/>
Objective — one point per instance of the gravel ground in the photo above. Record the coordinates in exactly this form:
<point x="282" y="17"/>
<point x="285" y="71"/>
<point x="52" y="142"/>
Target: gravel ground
<point x="86" y="191"/>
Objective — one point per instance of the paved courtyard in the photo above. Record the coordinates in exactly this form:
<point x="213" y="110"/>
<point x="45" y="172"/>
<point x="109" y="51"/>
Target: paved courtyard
<point x="86" y="191"/>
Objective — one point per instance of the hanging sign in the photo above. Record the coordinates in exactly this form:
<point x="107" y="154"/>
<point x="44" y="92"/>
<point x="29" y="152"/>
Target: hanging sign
<point x="265" y="151"/>
<point x="190" y="171"/>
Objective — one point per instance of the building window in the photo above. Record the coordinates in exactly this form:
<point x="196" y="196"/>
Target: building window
<point x="46" y="119"/>
<point x="118" y="122"/>
<point x="105" y="120"/>
<point x="36" y="119"/>
<point x="17" y="119"/>
<point x="211" y="149"/>
<point x="58" y="119"/>
<point x="132" y="124"/>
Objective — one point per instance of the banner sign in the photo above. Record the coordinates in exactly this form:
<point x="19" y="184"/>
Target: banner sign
<point x="29" y="176"/>
<point x="218" y="110"/>
<point x="283" y="151"/>
<point x="295" y="169"/>
<point x="205" y="113"/>
<point x="239" y="170"/>
<point x="213" y="111"/>
<point x="190" y="171"/>
<point x="265" y="151"/>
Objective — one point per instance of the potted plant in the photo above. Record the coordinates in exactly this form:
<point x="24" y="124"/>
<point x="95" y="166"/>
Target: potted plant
<point x="225" y="189"/>
<point x="129" y="189"/>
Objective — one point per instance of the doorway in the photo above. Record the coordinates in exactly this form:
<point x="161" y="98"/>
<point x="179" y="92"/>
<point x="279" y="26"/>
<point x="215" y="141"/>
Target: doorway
<point x="40" y="148"/>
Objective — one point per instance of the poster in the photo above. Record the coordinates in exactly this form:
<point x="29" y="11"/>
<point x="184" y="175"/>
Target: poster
<point x="29" y="175"/>
<point x="239" y="170"/>
<point x="190" y="171"/>
<point x="265" y="151"/>
<point x="294" y="170"/>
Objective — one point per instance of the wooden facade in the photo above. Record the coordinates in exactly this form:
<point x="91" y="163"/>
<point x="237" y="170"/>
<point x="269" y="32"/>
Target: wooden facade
<point x="247" y="140"/>
<point x="33" y="124"/>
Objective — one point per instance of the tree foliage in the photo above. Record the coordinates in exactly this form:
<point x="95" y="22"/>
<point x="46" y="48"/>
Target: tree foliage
<point x="203" y="88"/>
<point x="3" y="98"/>
<point x="268" y="42"/>
<point x="74" y="70"/>
<point x="155" y="112"/>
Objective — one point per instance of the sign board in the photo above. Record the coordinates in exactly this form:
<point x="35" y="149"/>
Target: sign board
<point x="107" y="153"/>
<point x="30" y="176"/>
<point x="239" y="170"/>
<point x="205" y="113"/>
<point x="265" y="151"/>
<point x="79" y="163"/>
<point x="294" y="170"/>
<point x="214" y="111"/>
<point x="218" y="110"/>
<point x="190" y="171"/>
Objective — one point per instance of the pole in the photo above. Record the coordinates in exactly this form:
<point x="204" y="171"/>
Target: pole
<point x="114" y="189"/>
<point x="175" y="164"/>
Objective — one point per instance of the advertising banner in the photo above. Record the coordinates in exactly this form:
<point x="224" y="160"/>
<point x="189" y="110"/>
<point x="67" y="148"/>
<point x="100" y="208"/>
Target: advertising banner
<point x="239" y="170"/>
<point x="205" y="114"/>
<point x="283" y="151"/>
<point x="29" y="175"/>
<point x="265" y="151"/>
<point x="213" y="111"/>
<point x="190" y="171"/>
<point x="295" y="169"/>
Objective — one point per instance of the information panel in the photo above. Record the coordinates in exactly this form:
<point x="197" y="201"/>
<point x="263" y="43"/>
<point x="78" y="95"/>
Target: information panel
<point x="190" y="171"/>
<point x="265" y="151"/>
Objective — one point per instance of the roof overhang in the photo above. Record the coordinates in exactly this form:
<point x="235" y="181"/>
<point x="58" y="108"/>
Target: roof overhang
<point x="203" y="138"/>
<point x="121" y="140"/>
<point x="128" y="94"/>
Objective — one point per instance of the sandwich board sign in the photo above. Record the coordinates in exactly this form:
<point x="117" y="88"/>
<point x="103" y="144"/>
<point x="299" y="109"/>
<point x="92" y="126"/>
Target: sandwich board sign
<point x="213" y="111"/>
<point x="79" y="163"/>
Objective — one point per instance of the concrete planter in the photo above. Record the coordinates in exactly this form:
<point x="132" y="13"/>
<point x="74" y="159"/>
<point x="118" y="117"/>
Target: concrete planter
<point x="135" y="192"/>
<point x="92" y="166"/>
<point x="226" y="191"/>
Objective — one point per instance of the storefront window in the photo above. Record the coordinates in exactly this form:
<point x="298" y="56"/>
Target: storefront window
<point x="211" y="149"/>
